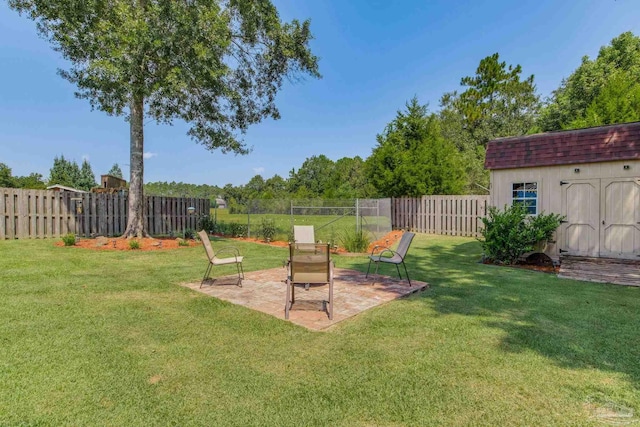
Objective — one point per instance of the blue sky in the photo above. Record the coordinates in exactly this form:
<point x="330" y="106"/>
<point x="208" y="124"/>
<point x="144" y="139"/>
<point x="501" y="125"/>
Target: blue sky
<point x="374" y="56"/>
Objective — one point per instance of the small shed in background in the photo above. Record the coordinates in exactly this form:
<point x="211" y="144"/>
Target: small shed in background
<point x="592" y="176"/>
<point x="221" y="203"/>
<point x="110" y="181"/>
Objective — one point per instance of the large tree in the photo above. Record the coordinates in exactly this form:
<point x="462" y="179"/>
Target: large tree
<point x="6" y="180"/>
<point x="275" y="188"/>
<point x="216" y="64"/>
<point x="255" y="187"/>
<point x="33" y="181"/>
<point x="87" y="179"/>
<point x="350" y="179"/>
<point x="64" y="172"/>
<point x="115" y="171"/>
<point x="617" y="102"/>
<point x="314" y="176"/>
<point x="413" y="159"/>
<point x="615" y="71"/>
<point x="495" y="102"/>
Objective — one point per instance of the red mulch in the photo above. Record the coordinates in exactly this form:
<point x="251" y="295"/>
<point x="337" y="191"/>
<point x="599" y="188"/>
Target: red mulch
<point x="387" y="240"/>
<point x="122" y="244"/>
<point x="155" y="244"/>
<point x="545" y="268"/>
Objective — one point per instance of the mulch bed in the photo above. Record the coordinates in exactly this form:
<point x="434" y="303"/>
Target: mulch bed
<point x="536" y="261"/>
<point x="387" y="240"/>
<point x="156" y="244"/>
<point x="122" y="244"/>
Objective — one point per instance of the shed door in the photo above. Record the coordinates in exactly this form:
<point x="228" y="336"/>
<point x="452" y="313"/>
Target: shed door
<point x="580" y="234"/>
<point x="620" y="214"/>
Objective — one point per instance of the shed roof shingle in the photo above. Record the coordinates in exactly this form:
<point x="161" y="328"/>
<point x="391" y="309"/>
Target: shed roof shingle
<point x="597" y="144"/>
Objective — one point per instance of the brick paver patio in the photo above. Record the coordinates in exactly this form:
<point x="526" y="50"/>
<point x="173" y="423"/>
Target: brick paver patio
<point x="353" y="293"/>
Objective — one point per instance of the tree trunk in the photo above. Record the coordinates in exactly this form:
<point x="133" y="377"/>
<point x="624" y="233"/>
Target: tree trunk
<point x="135" y="221"/>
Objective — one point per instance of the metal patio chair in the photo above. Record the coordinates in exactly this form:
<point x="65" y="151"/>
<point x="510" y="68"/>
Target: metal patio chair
<point x="214" y="257"/>
<point x="309" y="266"/>
<point x="390" y="256"/>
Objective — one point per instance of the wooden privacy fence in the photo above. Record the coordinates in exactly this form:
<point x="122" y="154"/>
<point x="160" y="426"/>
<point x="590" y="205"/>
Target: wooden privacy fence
<point x="28" y="214"/>
<point x="449" y="215"/>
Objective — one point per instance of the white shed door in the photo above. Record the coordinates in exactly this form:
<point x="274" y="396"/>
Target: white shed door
<point x="620" y="215"/>
<point x="580" y="234"/>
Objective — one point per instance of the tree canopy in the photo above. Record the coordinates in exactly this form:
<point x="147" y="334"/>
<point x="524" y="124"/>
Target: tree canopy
<point x="600" y="91"/>
<point x="495" y="103"/>
<point x="6" y="180"/>
<point x="313" y="177"/>
<point x="87" y="179"/>
<point x="412" y="158"/>
<point x="115" y="171"/>
<point x="216" y="65"/>
<point x="32" y="181"/>
<point x="68" y="173"/>
<point x="64" y="172"/>
<point x="617" y="102"/>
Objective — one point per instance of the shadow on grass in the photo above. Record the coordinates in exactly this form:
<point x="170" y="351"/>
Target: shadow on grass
<point x="575" y="324"/>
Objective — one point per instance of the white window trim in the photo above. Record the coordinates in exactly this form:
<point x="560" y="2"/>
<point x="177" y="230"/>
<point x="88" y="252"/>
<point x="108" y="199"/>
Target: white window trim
<point x="537" y="198"/>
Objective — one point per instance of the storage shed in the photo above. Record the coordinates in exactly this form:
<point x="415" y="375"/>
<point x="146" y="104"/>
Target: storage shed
<point x="591" y="176"/>
<point x="110" y="181"/>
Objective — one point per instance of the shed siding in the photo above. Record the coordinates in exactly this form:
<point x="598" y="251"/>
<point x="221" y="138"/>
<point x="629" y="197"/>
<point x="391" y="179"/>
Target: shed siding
<point x="548" y="179"/>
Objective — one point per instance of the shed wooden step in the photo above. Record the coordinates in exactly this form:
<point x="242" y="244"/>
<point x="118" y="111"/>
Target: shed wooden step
<point x="603" y="270"/>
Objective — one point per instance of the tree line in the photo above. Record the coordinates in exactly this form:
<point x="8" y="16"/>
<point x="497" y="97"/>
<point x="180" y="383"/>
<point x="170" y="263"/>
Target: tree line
<point x="218" y="66"/>
<point x="421" y="152"/>
<point x="63" y="172"/>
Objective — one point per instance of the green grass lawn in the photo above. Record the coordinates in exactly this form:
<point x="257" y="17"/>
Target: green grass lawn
<point x="328" y="228"/>
<point x="109" y="338"/>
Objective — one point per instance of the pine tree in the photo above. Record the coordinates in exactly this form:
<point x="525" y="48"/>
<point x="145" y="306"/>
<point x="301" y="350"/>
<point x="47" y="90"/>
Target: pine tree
<point x="87" y="179"/>
<point x="115" y="171"/>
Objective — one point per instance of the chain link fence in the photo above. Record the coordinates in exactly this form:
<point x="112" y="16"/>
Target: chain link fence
<point x="332" y="219"/>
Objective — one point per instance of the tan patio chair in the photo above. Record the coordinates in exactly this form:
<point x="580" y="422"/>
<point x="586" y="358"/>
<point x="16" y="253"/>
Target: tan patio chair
<point x="309" y="268"/>
<point x="392" y="257"/>
<point x="214" y="257"/>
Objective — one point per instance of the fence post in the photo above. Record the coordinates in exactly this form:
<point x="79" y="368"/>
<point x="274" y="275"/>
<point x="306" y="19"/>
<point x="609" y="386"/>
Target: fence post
<point x="11" y="215"/>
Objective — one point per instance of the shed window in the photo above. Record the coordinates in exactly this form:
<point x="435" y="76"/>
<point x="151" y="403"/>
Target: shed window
<point x="526" y="193"/>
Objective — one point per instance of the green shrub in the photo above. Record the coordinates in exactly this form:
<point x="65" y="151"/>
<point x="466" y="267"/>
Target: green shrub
<point x="267" y="229"/>
<point x="182" y="242"/>
<point x="237" y="229"/>
<point x="355" y="241"/>
<point x="232" y="229"/>
<point x="510" y="233"/>
<point x="333" y="239"/>
<point x="134" y="244"/>
<point x="207" y="224"/>
<point x="220" y="228"/>
<point x="189" y="233"/>
<point x="69" y="239"/>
